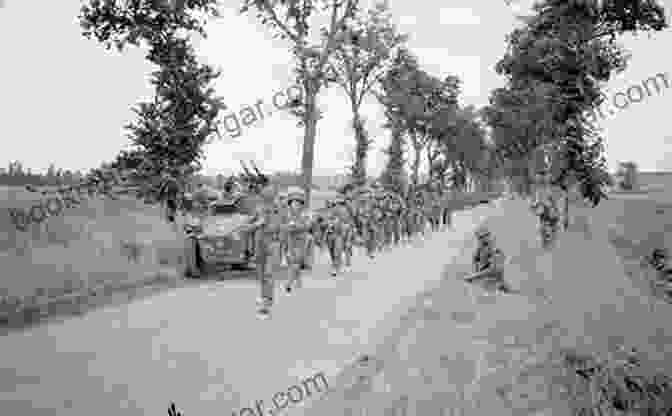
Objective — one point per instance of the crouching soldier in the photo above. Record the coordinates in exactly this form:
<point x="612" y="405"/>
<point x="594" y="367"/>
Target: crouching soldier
<point x="300" y="229"/>
<point x="488" y="262"/>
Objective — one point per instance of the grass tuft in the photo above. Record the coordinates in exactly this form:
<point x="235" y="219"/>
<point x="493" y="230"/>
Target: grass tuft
<point x="617" y="384"/>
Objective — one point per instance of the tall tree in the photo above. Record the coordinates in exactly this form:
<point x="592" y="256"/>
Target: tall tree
<point x="412" y="99"/>
<point x="171" y="129"/>
<point x="360" y="59"/>
<point x="568" y="48"/>
<point x="394" y="174"/>
<point x="290" y="20"/>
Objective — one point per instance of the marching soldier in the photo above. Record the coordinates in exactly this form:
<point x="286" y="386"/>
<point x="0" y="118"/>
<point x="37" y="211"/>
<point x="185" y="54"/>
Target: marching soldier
<point x="337" y="235"/>
<point x="396" y="208"/>
<point x="349" y="242"/>
<point x="377" y="223"/>
<point x="282" y="209"/>
<point x="368" y="226"/>
<point x="300" y="230"/>
<point x="386" y="224"/>
<point x="418" y="221"/>
<point x="265" y="229"/>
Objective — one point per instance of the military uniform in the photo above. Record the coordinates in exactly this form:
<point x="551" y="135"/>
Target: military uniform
<point x="449" y="206"/>
<point x="300" y="230"/>
<point x="396" y="212"/>
<point x="338" y="233"/>
<point x="549" y="220"/>
<point x="283" y="211"/>
<point x="386" y="224"/>
<point x="367" y="220"/>
<point x="349" y="241"/>
<point x="377" y="224"/>
<point x="489" y="260"/>
<point x="417" y="218"/>
<point x="266" y="240"/>
<point x="168" y="194"/>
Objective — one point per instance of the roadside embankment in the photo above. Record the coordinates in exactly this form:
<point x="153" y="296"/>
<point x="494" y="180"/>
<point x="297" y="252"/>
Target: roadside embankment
<point x="461" y="351"/>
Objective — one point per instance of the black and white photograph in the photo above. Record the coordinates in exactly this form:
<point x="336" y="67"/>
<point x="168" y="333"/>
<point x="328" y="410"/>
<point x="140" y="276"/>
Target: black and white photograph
<point x="335" y="208"/>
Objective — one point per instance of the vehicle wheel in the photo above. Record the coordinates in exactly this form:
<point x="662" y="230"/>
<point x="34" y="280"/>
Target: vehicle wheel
<point x="193" y="265"/>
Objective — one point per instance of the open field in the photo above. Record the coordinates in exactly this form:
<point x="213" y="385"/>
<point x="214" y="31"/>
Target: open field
<point x="101" y="241"/>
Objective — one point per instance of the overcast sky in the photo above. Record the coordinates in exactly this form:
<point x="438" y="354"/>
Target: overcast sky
<point x="65" y="99"/>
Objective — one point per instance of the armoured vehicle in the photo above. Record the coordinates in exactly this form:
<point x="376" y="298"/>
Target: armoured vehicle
<point x="222" y="237"/>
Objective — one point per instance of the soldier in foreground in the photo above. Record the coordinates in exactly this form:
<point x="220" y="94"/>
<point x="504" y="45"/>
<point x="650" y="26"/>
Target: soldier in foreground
<point x="300" y="230"/>
<point x="337" y="234"/>
<point x="488" y="262"/>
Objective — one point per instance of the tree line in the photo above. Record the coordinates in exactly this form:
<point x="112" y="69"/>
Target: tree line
<point x="17" y="175"/>
<point x="535" y="127"/>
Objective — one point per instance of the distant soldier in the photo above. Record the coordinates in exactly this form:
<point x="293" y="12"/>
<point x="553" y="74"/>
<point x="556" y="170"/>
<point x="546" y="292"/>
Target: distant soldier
<point x="396" y="213"/>
<point x="378" y="222"/>
<point x="300" y="228"/>
<point x="418" y="219"/>
<point x="349" y="242"/>
<point x="549" y="219"/>
<point x="169" y="193"/>
<point x="658" y="259"/>
<point x="368" y="226"/>
<point x="435" y="211"/>
<point x="200" y="197"/>
<point x="449" y="206"/>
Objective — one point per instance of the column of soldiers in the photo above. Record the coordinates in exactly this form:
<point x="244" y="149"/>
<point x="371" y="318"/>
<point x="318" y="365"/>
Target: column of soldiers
<point x="378" y="220"/>
<point x="370" y="216"/>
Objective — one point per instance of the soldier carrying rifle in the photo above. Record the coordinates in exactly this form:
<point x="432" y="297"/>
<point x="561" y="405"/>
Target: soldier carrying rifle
<point x="300" y="229"/>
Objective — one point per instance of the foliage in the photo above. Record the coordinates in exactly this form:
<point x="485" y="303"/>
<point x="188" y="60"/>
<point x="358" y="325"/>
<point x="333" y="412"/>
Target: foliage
<point x="16" y="175"/>
<point x="171" y="129"/>
<point x="622" y="381"/>
<point x="394" y="174"/>
<point x="360" y="59"/>
<point x="555" y="65"/>
<point x="290" y="20"/>
<point x="461" y="148"/>
<point x="417" y="103"/>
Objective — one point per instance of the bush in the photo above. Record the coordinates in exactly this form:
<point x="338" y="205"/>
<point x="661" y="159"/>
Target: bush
<point x="620" y="382"/>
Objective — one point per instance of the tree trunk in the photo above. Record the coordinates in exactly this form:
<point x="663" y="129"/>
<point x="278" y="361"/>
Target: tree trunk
<point x="361" y="147"/>
<point x="416" y="161"/>
<point x="309" y="141"/>
<point x="431" y="157"/>
<point x="566" y="209"/>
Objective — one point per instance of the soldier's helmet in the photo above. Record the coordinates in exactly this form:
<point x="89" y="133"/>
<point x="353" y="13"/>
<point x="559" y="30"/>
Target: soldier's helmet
<point x="295" y="194"/>
<point x="660" y="253"/>
<point x="482" y="233"/>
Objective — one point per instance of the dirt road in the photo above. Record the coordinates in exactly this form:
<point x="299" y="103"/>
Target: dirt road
<point x="204" y="348"/>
